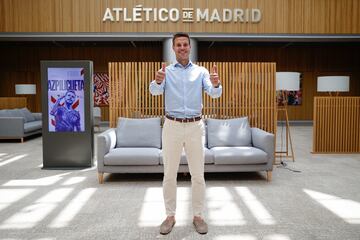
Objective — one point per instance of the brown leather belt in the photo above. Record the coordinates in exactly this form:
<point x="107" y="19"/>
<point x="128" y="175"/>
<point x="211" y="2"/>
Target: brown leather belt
<point x="184" y="120"/>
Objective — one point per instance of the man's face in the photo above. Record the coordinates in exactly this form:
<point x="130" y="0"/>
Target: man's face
<point x="69" y="97"/>
<point x="182" y="48"/>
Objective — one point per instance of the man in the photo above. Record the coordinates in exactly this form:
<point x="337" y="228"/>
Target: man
<point x="66" y="118"/>
<point x="182" y="84"/>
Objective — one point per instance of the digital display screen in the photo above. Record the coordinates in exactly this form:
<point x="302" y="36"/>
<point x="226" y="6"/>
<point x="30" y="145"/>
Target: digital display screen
<point x="66" y="99"/>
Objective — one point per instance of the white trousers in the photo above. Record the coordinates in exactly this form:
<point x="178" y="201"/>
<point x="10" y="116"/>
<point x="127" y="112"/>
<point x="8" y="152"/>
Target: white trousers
<point x="175" y="137"/>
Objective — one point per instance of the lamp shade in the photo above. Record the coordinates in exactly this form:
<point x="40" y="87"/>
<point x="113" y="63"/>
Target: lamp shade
<point x="289" y="81"/>
<point x="25" y="89"/>
<point x="333" y="84"/>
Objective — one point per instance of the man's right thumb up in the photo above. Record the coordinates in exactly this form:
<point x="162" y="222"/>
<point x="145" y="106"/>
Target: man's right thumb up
<point x="160" y="75"/>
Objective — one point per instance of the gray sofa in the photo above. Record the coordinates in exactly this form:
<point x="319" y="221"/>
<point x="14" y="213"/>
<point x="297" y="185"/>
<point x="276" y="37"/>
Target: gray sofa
<point x="230" y="146"/>
<point x="19" y="123"/>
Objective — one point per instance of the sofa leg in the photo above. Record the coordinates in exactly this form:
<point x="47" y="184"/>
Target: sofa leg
<point x="101" y="177"/>
<point x="22" y="140"/>
<point x="269" y="176"/>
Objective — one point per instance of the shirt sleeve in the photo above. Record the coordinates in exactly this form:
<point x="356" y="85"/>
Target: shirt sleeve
<point x="209" y="88"/>
<point x="156" y="89"/>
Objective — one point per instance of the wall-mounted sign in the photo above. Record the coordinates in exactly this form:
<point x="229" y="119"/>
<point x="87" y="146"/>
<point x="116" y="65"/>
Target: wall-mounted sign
<point x="146" y="14"/>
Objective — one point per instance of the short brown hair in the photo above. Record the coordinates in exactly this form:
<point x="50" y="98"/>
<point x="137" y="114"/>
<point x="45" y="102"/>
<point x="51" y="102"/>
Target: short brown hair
<point x="180" y="34"/>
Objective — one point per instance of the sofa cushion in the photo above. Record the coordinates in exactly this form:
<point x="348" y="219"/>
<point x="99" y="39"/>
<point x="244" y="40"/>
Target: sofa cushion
<point x="132" y="156"/>
<point x="239" y="155"/>
<point x="32" y="126"/>
<point x="37" y="115"/>
<point x="15" y="113"/>
<point x="209" y="157"/>
<point x="204" y="138"/>
<point x="131" y="132"/>
<point x="4" y="113"/>
<point x="229" y="132"/>
<point x="29" y="117"/>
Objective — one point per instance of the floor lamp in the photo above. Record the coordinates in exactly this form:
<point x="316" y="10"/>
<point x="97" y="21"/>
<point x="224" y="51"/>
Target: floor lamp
<point x="286" y="81"/>
<point x="26" y="89"/>
<point x="327" y="116"/>
<point x="334" y="84"/>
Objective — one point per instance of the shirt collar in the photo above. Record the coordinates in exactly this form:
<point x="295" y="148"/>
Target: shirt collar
<point x="177" y="64"/>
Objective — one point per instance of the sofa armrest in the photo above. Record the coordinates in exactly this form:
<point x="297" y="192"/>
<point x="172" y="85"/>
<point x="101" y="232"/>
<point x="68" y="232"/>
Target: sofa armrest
<point x="265" y="141"/>
<point x="105" y="142"/>
<point x="12" y="127"/>
<point x="38" y="115"/>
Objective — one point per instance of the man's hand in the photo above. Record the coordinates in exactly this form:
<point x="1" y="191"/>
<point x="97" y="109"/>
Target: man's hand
<point x="60" y="100"/>
<point x="160" y="75"/>
<point x="214" y="77"/>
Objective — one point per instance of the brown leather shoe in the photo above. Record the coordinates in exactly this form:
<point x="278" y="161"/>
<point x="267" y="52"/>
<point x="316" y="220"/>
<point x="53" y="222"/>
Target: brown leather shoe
<point x="200" y="225"/>
<point x="166" y="226"/>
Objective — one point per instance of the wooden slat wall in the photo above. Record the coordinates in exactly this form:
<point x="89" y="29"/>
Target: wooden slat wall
<point x="129" y="91"/>
<point x="12" y="102"/>
<point x="248" y="90"/>
<point x="21" y="64"/>
<point x="278" y="16"/>
<point x="336" y="125"/>
<point x="104" y="113"/>
<point x="311" y="60"/>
